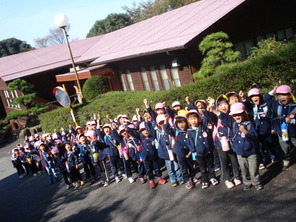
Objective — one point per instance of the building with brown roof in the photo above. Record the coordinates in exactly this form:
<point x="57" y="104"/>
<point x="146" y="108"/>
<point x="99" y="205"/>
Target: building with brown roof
<point x="154" y="54"/>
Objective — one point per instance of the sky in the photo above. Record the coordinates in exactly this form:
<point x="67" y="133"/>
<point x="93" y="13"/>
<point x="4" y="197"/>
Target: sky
<point x="32" y="19"/>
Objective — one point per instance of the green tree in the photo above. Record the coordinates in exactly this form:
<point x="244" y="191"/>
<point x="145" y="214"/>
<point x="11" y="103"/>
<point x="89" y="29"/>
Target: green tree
<point x="148" y="9"/>
<point x="111" y="23"/>
<point x="27" y="100"/>
<point x="94" y="86"/>
<point x="217" y="51"/>
<point x="13" y="46"/>
<point x="265" y="47"/>
<point x="179" y="3"/>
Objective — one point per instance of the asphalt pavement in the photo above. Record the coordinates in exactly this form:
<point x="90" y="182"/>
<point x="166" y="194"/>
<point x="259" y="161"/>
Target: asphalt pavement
<point x="33" y="199"/>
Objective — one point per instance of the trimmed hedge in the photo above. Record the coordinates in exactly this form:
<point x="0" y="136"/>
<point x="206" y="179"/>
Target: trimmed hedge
<point x="264" y="72"/>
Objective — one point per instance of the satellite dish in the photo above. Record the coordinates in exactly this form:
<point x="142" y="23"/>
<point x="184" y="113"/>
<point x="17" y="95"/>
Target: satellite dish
<point x="62" y="96"/>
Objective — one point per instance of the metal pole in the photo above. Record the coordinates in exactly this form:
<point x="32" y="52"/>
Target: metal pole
<point x="73" y="64"/>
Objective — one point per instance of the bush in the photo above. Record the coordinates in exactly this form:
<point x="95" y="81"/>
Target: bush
<point x="93" y="87"/>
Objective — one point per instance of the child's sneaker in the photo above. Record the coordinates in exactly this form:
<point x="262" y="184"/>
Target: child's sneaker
<point x="124" y="176"/>
<point x="196" y="181"/>
<point x="131" y="180"/>
<point x="261" y="166"/>
<point x="106" y="184"/>
<point x="217" y="168"/>
<point x="67" y="187"/>
<point x="189" y="185"/>
<point x="204" y="185"/>
<point x="152" y="184"/>
<point x="117" y="179"/>
<point x="286" y="163"/>
<point x="229" y="184"/>
<point x="142" y="180"/>
<point x="259" y="187"/>
<point x="81" y="183"/>
<point x="214" y="181"/>
<point x="247" y="187"/>
<point x="237" y="182"/>
<point x="77" y="185"/>
<point x="174" y="184"/>
<point x="161" y="181"/>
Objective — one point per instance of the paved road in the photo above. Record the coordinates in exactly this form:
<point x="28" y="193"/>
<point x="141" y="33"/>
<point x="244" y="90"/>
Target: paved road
<point x="33" y="199"/>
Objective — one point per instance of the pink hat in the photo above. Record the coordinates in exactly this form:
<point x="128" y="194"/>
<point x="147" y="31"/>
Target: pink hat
<point x="78" y="127"/>
<point x="159" y="106"/>
<point x="92" y="134"/>
<point x="254" y="92"/>
<point x="283" y="89"/>
<point x="192" y="111"/>
<point x="200" y="101"/>
<point x="176" y="103"/>
<point x="55" y="150"/>
<point x="14" y="149"/>
<point x="119" y="116"/>
<point x="237" y="108"/>
<point x="121" y="128"/>
<point x="142" y="126"/>
<point x="58" y="141"/>
<point x="55" y="136"/>
<point x="106" y="126"/>
<point x="132" y="126"/>
<point x="135" y="118"/>
<point x="160" y="118"/>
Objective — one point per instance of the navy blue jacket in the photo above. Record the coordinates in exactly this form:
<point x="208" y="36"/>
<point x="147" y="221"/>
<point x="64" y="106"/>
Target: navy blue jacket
<point x="280" y="112"/>
<point x="162" y="140"/>
<point x="242" y="144"/>
<point x="199" y="141"/>
<point x="181" y="147"/>
<point x="261" y="116"/>
<point x="148" y="144"/>
<point x="224" y="127"/>
<point x="111" y="146"/>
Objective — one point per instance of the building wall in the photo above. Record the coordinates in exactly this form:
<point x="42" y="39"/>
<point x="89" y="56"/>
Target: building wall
<point x="249" y="23"/>
<point x="148" y="65"/>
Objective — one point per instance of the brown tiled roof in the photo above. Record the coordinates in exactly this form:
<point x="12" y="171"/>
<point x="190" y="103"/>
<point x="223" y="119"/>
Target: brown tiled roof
<point x="165" y="32"/>
<point x="40" y="60"/>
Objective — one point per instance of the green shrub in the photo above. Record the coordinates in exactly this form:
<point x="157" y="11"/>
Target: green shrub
<point x="93" y="87"/>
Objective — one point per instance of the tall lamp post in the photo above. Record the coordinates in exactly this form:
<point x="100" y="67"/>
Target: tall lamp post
<point x="62" y="21"/>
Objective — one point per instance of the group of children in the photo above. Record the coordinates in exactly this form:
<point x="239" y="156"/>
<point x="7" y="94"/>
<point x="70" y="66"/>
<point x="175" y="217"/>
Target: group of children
<point x="236" y="133"/>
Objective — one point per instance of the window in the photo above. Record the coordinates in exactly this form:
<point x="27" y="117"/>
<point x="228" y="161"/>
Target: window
<point x="122" y="81"/>
<point x="130" y="80"/>
<point x="289" y="33"/>
<point x="248" y="46"/>
<point x="281" y="35"/>
<point x="9" y="96"/>
<point x="154" y="78"/>
<point x="175" y="75"/>
<point x="164" y="77"/>
<point x="145" y="79"/>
